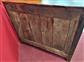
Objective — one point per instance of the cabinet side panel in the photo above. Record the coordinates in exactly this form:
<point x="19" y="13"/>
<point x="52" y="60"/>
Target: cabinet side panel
<point x="72" y="29"/>
<point x="76" y="36"/>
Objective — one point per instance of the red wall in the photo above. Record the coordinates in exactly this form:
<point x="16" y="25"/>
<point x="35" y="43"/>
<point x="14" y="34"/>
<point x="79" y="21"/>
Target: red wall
<point x="8" y="39"/>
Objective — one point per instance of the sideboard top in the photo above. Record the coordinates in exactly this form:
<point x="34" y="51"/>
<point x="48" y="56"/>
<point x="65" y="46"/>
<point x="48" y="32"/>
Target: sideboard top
<point x="65" y="3"/>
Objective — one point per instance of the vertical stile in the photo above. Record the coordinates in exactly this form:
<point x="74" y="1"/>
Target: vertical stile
<point x="35" y="27"/>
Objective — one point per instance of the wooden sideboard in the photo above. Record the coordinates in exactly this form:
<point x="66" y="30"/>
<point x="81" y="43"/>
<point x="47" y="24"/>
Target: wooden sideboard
<point x="56" y="29"/>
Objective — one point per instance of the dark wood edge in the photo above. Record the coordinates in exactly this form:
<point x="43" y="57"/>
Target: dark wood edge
<point x="40" y="4"/>
<point x="76" y="37"/>
<point x="45" y="48"/>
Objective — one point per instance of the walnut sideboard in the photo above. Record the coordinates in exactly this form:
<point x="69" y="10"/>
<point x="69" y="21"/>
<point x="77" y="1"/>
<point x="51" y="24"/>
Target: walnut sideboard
<point x="53" y="28"/>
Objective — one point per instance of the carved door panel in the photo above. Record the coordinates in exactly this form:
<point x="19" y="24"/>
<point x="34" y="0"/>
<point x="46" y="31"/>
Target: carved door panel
<point x="52" y="28"/>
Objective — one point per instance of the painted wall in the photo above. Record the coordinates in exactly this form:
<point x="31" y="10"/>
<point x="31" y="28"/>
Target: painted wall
<point x="65" y="2"/>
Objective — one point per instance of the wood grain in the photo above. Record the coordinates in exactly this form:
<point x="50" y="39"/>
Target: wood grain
<point x="35" y="27"/>
<point x="60" y="30"/>
<point x="44" y="29"/>
<point x="26" y="26"/>
<point x="50" y="31"/>
<point x="71" y="33"/>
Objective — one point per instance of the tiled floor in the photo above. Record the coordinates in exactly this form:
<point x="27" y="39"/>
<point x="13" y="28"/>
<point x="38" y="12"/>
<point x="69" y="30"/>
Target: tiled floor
<point x="31" y="54"/>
